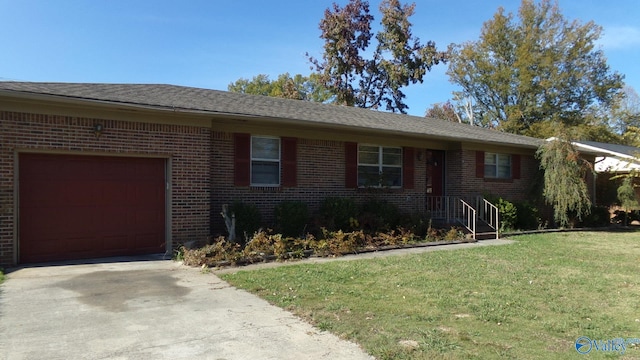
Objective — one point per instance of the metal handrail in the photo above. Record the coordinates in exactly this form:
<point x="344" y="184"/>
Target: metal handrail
<point x="490" y="215"/>
<point x="470" y="213"/>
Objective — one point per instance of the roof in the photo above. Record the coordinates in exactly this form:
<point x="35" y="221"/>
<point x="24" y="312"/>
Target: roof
<point x="197" y="100"/>
<point x="612" y="157"/>
<point x="612" y="149"/>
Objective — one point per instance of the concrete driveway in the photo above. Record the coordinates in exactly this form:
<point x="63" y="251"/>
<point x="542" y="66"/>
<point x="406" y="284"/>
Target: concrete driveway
<point x="154" y="309"/>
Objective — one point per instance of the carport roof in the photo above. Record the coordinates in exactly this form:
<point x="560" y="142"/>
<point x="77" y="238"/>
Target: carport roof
<point x="189" y="99"/>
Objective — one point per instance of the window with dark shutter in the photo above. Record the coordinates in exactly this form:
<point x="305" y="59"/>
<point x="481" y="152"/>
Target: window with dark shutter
<point x="350" y="165"/>
<point x="479" y="164"/>
<point x="289" y="162"/>
<point x="515" y="166"/>
<point x="241" y="159"/>
<point x="408" y="154"/>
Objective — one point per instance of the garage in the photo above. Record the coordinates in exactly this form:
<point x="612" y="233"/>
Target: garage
<point x="78" y="207"/>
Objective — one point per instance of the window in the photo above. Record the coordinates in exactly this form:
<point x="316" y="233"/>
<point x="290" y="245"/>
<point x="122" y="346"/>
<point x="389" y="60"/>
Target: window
<point x="265" y="161"/>
<point x="497" y="166"/>
<point x="379" y="166"/>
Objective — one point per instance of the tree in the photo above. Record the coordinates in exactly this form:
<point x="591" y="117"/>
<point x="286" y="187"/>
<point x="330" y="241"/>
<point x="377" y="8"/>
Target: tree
<point x="625" y="116"/>
<point x="528" y="75"/>
<point x="399" y="59"/>
<point x="627" y="197"/>
<point x="564" y="178"/>
<point x="297" y="87"/>
<point x="444" y="111"/>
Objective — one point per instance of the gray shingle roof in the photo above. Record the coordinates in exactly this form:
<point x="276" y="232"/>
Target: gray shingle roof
<point x="172" y="97"/>
<point x="614" y="148"/>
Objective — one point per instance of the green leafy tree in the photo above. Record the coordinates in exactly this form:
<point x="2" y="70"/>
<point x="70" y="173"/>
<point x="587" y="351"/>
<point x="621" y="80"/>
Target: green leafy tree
<point x="297" y="87"/>
<point x="625" y="116"/>
<point x="366" y="78"/>
<point x="527" y="75"/>
<point x="565" y="187"/>
<point x="627" y="196"/>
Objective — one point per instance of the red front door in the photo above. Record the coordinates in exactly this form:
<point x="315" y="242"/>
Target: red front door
<point x="74" y="207"/>
<point x="435" y="173"/>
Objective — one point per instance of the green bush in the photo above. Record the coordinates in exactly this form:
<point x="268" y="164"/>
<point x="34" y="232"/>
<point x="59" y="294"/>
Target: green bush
<point x="528" y="216"/>
<point x="291" y="218"/>
<point x="598" y="217"/>
<point x="337" y="213"/>
<point x="378" y="215"/>
<point x="508" y="213"/>
<point x="417" y="223"/>
<point x="248" y="220"/>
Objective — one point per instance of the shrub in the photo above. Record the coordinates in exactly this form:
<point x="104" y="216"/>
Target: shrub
<point x="417" y="223"/>
<point x="598" y="217"/>
<point x="248" y="220"/>
<point x="528" y="217"/>
<point x="507" y="211"/>
<point x="261" y="244"/>
<point x="220" y="250"/>
<point x="453" y="234"/>
<point x="379" y="216"/>
<point x="338" y="212"/>
<point x="338" y="242"/>
<point x="291" y="218"/>
<point x="619" y="216"/>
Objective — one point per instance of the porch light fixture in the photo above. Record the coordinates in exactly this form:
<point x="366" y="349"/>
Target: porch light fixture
<point x="97" y="130"/>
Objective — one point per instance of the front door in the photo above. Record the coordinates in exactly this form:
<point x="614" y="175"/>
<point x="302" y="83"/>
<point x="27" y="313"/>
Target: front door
<point x="435" y="173"/>
<point x="435" y="201"/>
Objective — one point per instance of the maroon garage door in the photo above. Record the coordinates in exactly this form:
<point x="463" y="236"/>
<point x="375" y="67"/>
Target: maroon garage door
<point x="75" y="207"/>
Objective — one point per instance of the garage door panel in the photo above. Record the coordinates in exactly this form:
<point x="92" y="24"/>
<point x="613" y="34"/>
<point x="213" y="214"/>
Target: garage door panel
<point x="144" y="241"/>
<point x="116" y="242"/>
<point x="39" y="193"/>
<point x="89" y="206"/>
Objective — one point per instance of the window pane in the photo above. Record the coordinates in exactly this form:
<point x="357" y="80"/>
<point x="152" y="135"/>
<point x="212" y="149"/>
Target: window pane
<point x="392" y="176"/>
<point x="392" y="156"/>
<point x="504" y="172"/>
<point x="368" y="148"/>
<point x="265" y="173"/>
<point x="489" y="158"/>
<point x="504" y="160"/>
<point x="366" y="157"/>
<point x="265" y="148"/>
<point x="489" y="171"/>
<point x="368" y="176"/>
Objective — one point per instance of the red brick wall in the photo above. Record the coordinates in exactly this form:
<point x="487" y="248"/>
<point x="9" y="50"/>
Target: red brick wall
<point x="321" y="173"/>
<point x="461" y="179"/>
<point x="188" y="148"/>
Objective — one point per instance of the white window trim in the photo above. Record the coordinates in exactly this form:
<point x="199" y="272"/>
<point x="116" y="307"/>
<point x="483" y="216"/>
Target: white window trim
<point x="279" y="161"/>
<point x="497" y="164"/>
<point x="381" y="165"/>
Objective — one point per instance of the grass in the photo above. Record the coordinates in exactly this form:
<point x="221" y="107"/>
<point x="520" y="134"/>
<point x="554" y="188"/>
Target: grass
<point x="528" y="300"/>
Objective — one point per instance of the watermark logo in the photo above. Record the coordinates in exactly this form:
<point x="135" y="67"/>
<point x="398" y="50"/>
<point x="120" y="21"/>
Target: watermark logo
<point x="585" y="345"/>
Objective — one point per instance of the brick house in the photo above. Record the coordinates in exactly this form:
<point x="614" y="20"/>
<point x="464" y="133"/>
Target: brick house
<point x="94" y="170"/>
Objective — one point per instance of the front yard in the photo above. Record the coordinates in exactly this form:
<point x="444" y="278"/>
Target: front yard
<point x="529" y="300"/>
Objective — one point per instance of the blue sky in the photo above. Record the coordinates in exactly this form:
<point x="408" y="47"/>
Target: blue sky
<point x="209" y="43"/>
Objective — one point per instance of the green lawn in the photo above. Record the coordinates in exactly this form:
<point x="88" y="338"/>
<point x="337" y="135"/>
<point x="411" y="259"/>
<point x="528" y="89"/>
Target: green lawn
<point x="528" y="300"/>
